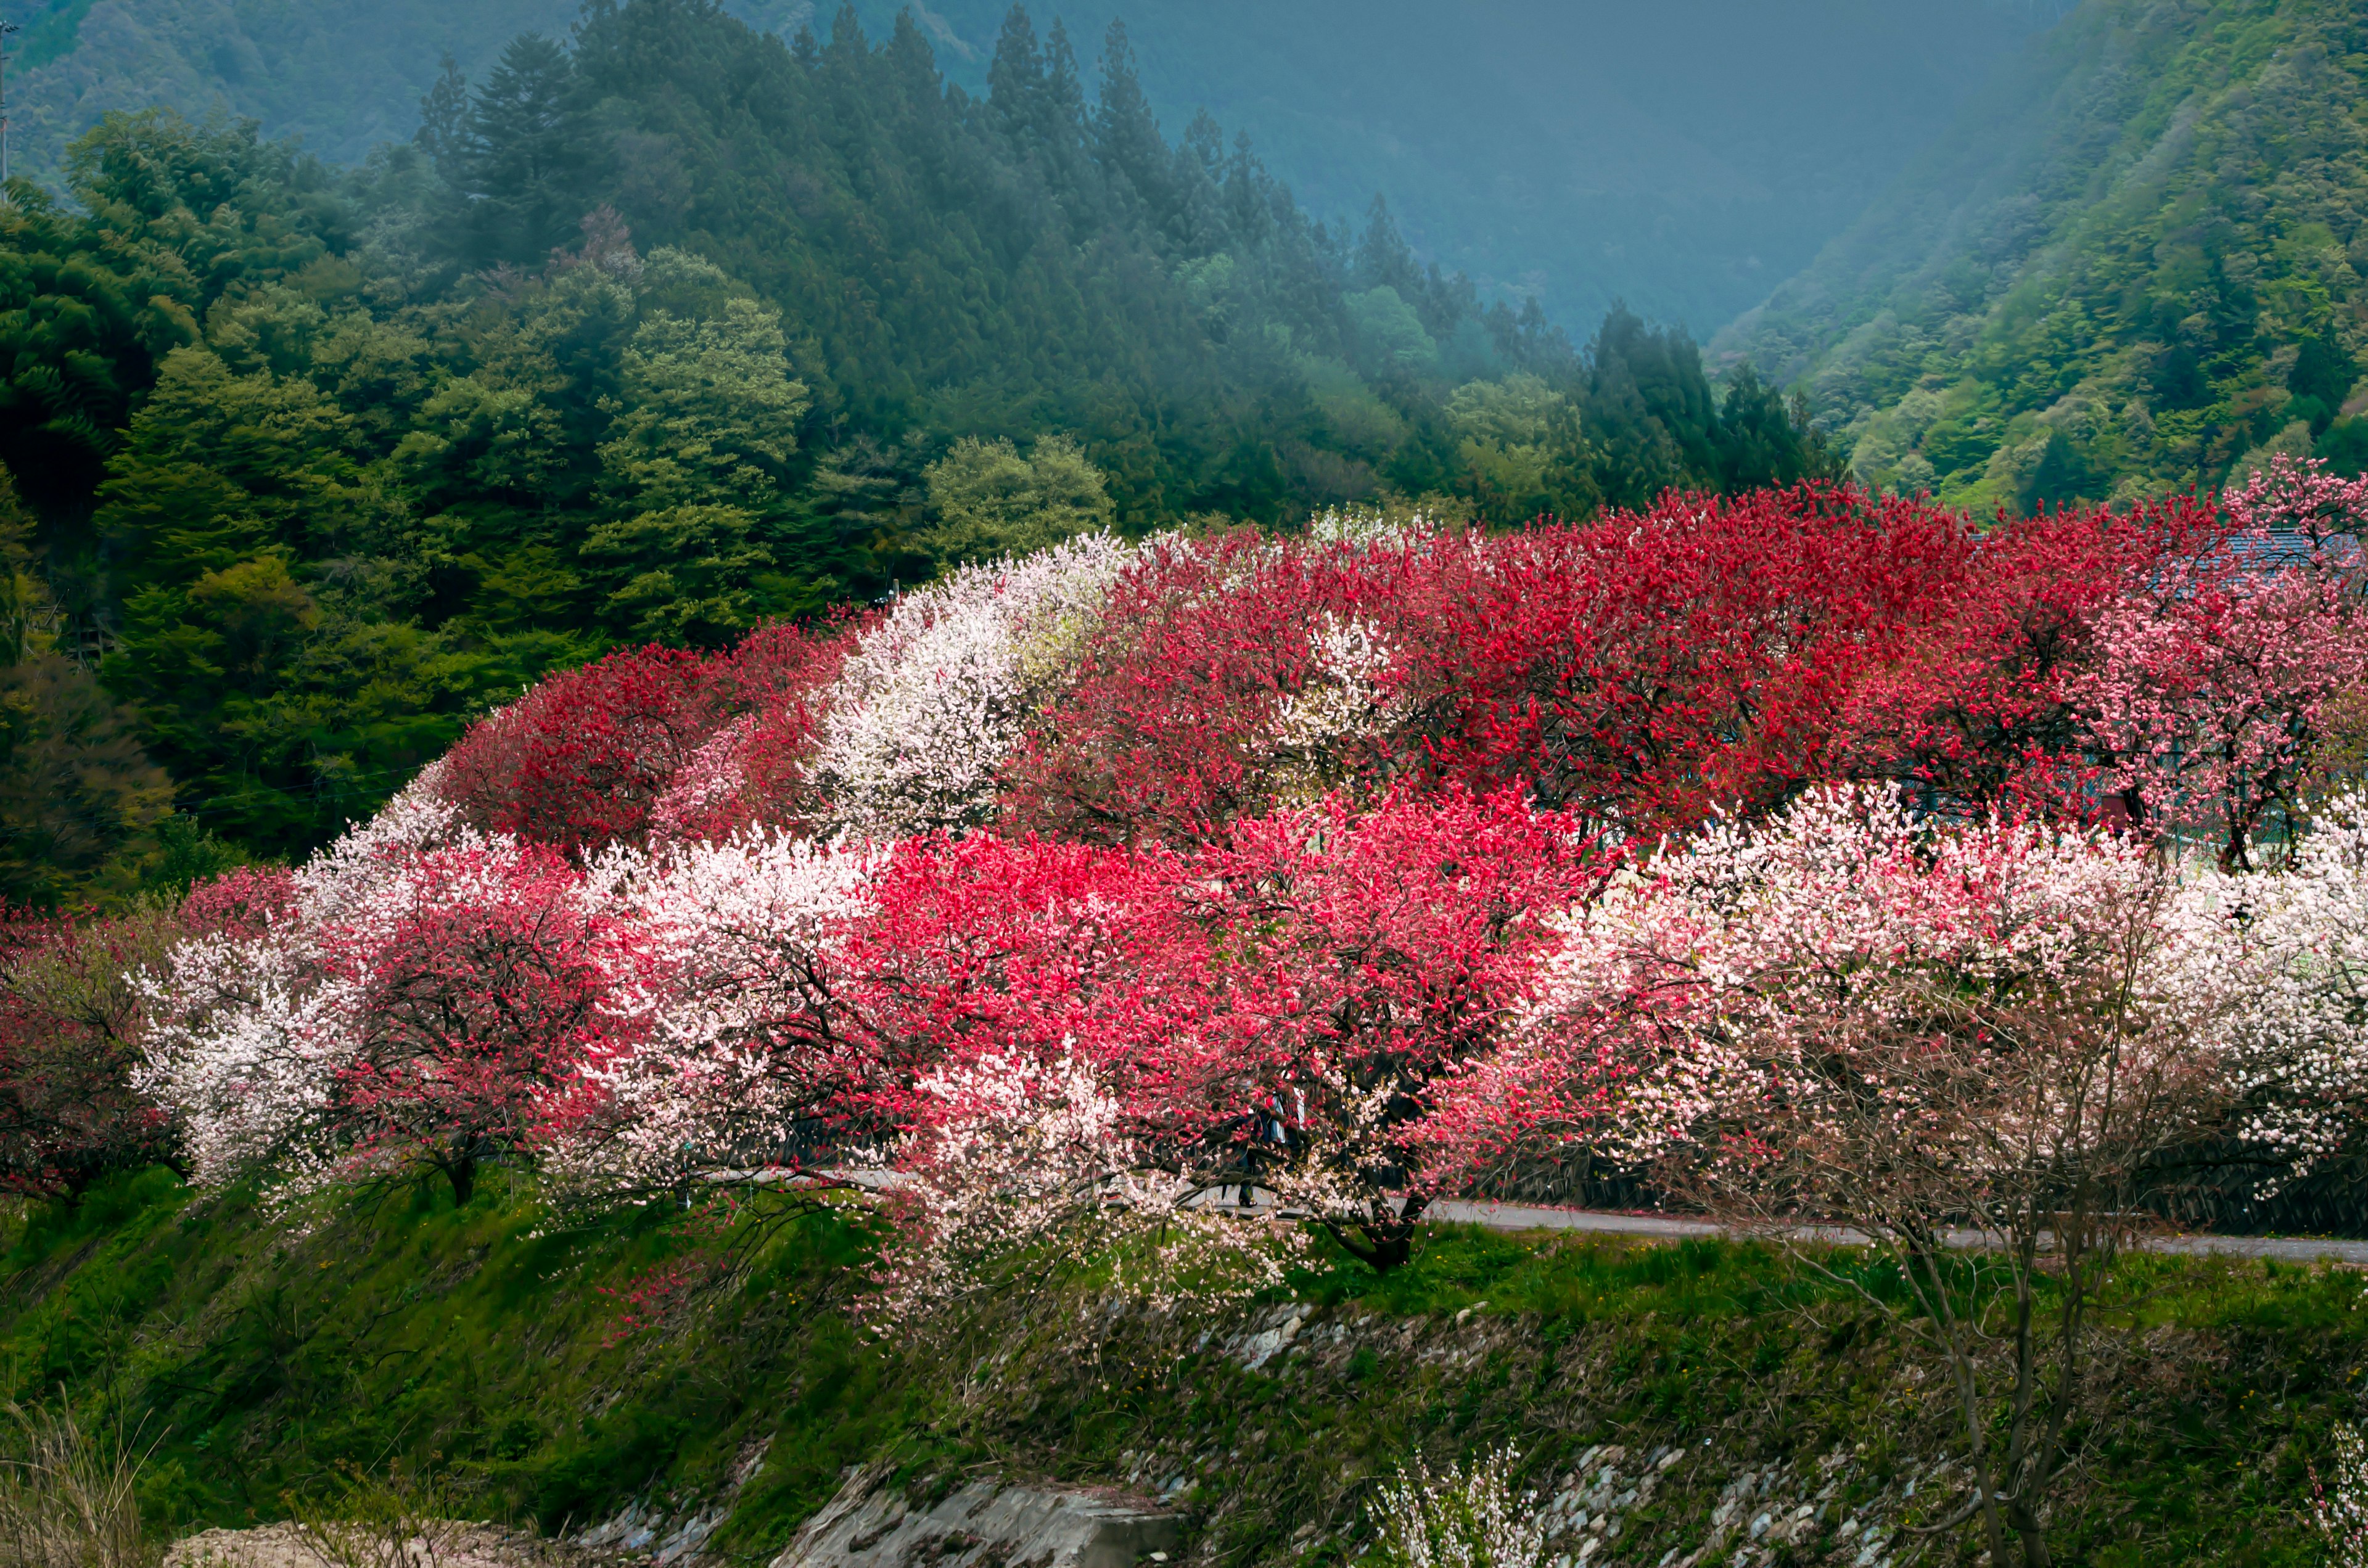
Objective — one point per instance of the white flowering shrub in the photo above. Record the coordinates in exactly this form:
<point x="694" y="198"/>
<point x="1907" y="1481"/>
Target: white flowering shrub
<point x="1354" y="689"/>
<point x="2341" y="1510"/>
<point x="246" y="1032"/>
<point x="2279" y="963"/>
<point x="1463" y="1518"/>
<point x="742" y="1036"/>
<point x="1019" y="1161"/>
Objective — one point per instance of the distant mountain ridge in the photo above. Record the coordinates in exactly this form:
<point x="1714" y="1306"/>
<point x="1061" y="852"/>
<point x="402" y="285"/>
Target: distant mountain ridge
<point x="1582" y="151"/>
<point x="2135" y="263"/>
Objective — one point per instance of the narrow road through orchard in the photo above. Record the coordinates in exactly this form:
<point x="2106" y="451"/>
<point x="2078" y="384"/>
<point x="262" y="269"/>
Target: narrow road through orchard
<point x="1533" y="1217"/>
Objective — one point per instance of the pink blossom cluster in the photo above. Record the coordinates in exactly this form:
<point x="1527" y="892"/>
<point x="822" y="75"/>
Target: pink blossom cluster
<point x="1140" y="897"/>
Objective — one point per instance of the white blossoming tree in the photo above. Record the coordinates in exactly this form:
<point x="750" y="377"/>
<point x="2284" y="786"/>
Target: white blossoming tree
<point x="933" y="699"/>
<point x="1934" y="1035"/>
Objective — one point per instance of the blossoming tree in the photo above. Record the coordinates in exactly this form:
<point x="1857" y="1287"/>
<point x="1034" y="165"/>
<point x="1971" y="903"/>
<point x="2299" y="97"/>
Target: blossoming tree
<point x="2220" y="656"/>
<point x="1084" y="899"/>
<point x="1853" y="1016"/>
<point x="430" y="1000"/>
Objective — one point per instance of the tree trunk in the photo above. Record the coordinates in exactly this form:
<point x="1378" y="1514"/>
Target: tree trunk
<point x="1388" y="1238"/>
<point x="463" y="1172"/>
<point x="2033" y="1540"/>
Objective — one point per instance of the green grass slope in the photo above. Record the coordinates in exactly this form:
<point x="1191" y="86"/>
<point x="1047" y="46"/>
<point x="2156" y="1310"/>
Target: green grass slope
<point x="562" y="1374"/>
<point x="2134" y="264"/>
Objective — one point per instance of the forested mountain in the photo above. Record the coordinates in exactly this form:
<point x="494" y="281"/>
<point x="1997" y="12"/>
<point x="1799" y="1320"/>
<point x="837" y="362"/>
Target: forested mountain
<point x="665" y="334"/>
<point x="2135" y="264"/>
<point x="343" y="77"/>
<point x="1580" y="151"/>
<point x="1584" y="152"/>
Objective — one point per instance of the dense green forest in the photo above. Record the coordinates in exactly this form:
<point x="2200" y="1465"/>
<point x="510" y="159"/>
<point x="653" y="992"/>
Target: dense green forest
<point x="1580" y="151"/>
<point x="662" y="333"/>
<point x="2135" y="264"/>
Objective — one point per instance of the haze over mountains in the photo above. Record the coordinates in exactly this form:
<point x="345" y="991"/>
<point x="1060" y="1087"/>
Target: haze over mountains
<point x="1684" y="157"/>
<point x="2134" y="264"/>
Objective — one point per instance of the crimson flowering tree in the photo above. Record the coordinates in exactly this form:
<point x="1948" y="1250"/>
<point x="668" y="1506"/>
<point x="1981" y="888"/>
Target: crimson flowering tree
<point x="2220" y="656"/>
<point x="1648" y="671"/>
<point x="72" y="1031"/>
<point x="583" y="759"/>
<point x="1643" y="670"/>
<point x="1974" y="706"/>
<point x="1089" y="1043"/>
<point x="1231" y="676"/>
<point x="69" y="1044"/>
<point x="1367" y="960"/>
<point x="1032" y="1006"/>
<point x="244" y="902"/>
<point x="1028" y="947"/>
<point x="757" y="769"/>
<point x="473" y="994"/>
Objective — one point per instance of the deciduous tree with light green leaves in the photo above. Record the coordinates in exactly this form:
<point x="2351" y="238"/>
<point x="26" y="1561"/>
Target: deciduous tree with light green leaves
<point x="991" y="502"/>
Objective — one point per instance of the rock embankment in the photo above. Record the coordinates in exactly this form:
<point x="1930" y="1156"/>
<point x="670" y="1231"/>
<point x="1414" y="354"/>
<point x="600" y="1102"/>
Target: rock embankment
<point x="985" y="1524"/>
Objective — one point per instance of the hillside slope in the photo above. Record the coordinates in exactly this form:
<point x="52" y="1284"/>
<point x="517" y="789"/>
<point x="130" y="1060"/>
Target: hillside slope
<point x="1579" y="153"/>
<point x="560" y="1373"/>
<point x="343" y="77"/>
<point x="2133" y="265"/>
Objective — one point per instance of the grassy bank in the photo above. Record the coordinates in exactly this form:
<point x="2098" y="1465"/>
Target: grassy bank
<point x="561" y="1373"/>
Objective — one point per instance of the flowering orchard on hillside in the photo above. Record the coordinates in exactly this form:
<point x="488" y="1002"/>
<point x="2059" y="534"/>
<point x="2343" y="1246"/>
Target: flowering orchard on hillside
<point x="1140" y="894"/>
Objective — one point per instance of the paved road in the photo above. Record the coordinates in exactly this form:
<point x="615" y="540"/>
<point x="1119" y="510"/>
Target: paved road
<point x="1527" y="1217"/>
<point x="1539" y="1217"/>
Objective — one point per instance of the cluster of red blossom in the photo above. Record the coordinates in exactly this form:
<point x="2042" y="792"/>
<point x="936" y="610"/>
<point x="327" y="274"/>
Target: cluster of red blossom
<point x="1640" y="673"/>
<point x="1137" y="881"/>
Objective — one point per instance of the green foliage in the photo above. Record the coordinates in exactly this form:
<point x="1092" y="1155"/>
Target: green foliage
<point x="2135" y="267"/>
<point x="1520" y="440"/>
<point x="991" y="502"/>
<point x="78" y="796"/>
<point x="541" y="1368"/>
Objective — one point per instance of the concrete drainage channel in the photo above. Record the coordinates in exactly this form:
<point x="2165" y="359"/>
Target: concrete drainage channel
<point x="985" y="1523"/>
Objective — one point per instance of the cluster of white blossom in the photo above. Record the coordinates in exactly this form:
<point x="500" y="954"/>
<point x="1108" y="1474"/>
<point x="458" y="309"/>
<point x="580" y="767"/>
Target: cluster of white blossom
<point x="1464" y="1518"/>
<point x="2341" y="1514"/>
<point x="934" y="699"/>
<point x="1016" y="1154"/>
<point x="248" y="1034"/>
<point x="2278" y="963"/>
<point x="1371" y="525"/>
<point x="1350" y="692"/>
<point x="740" y="1034"/>
<point x="1845" y="948"/>
<point x="238" y="1045"/>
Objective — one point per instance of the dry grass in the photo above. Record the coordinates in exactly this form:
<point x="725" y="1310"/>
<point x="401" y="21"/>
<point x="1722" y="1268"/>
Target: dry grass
<point x="403" y="1520"/>
<point x="68" y="1494"/>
